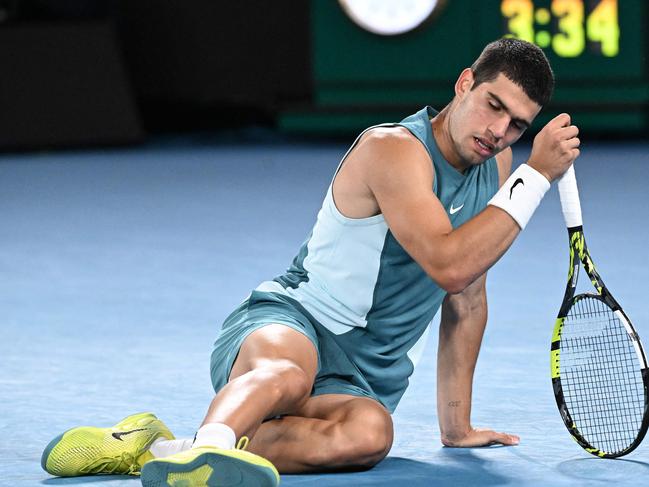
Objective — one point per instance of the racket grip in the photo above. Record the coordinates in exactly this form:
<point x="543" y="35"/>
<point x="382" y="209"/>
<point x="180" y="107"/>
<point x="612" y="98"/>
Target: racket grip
<point x="569" y="196"/>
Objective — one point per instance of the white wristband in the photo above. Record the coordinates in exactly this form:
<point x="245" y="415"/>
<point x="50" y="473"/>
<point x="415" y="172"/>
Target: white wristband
<point x="521" y="194"/>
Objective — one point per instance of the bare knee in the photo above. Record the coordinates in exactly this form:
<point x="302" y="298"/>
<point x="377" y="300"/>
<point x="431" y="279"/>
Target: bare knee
<point x="373" y="438"/>
<point x="284" y="382"/>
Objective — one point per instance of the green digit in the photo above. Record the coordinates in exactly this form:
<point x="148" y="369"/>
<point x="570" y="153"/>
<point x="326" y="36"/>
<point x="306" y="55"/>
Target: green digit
<point x="571" y="40"/>
<point x="520" y="15"/>
<point x="603" y="27"/>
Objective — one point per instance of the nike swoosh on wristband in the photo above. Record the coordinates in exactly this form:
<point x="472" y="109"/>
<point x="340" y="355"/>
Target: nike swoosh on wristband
<point x="453" y="211"/>
<point x="118" y="436"/>
<point x="518" y="181"/>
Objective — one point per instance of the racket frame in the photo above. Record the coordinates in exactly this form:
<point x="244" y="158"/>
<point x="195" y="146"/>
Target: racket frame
<point x="579" y="254"/>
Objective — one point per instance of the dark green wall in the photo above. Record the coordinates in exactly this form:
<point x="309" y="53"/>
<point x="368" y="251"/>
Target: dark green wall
<point x="360" y="78"/>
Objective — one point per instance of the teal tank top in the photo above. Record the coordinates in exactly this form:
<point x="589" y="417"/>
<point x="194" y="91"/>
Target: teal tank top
<point x="361" y="286"/>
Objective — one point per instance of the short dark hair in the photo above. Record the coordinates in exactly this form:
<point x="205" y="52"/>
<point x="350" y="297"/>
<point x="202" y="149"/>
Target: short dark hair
<point x="521" y="62"/>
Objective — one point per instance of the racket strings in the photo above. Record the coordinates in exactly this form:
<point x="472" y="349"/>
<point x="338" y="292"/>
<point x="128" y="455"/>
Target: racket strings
<point x="600" y="376"/>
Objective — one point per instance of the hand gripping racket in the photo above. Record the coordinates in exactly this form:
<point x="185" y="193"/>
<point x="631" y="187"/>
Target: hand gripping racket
<point x="599" y="369"/>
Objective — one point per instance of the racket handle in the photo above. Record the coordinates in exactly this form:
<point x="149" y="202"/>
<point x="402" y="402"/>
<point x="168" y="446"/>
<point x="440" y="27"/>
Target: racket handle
<point x="569" y="196"/>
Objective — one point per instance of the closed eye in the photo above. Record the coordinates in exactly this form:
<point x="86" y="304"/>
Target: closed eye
<point x="519" y="126"/>
<point x="496" y="104"/>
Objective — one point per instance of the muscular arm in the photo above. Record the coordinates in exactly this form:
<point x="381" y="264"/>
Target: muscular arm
<point x="397" y="172"/>
<point x="401" y="182"/>
<point x="464" y="317"/>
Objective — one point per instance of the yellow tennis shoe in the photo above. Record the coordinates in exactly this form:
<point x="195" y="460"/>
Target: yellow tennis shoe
<point x="122" y="449"/>
<point x="211" y="467"/>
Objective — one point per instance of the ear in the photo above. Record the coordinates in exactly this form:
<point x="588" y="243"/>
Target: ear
<point x="464" y="82"/>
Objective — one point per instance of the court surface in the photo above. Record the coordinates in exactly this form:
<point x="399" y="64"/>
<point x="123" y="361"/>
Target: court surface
<point x="118" y="266"/>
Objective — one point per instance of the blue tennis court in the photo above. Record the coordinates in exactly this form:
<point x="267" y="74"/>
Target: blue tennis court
<point x="118" y="267"/>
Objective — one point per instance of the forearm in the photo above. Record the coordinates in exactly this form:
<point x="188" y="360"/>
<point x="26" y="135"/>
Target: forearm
<point x="467" y="252"/>
<point x="460" y="336"/>
<point x="454" y="408"/>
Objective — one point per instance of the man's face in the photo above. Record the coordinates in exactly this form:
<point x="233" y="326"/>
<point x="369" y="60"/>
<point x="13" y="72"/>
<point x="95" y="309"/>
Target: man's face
<point x="489" y="118"/>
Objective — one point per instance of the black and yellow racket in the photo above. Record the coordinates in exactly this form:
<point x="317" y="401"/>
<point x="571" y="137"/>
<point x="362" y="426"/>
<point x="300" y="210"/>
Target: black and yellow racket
<point x="599" y="369"/>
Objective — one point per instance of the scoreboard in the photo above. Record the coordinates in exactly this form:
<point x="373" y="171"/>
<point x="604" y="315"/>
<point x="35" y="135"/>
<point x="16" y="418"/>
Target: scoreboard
<point x="574" y="27"/>
<point x="585" y="40"/>
<point x="373" y="60"/>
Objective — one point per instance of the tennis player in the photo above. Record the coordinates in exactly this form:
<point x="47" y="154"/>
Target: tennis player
<point x="308" y="369"/>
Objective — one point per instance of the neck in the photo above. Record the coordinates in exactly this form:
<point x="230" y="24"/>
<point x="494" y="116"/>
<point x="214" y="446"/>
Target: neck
<point x="442" y="133"/>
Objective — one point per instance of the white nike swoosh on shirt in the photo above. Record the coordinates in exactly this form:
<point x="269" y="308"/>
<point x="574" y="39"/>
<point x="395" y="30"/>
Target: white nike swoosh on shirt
<point x="453" y="211"/>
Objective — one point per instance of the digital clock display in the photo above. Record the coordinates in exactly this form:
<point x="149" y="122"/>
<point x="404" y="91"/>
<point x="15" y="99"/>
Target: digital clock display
<point x="585" y="40"/>
<point x="598" y="50"/>
<point x="567" y="27"/>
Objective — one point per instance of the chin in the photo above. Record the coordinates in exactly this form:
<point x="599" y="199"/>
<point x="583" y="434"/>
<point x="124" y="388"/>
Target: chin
<point x="475" y="159"/>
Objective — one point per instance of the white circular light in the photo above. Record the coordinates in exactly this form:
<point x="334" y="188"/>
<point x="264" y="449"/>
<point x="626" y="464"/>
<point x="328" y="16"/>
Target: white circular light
<point x="389" y="17"/>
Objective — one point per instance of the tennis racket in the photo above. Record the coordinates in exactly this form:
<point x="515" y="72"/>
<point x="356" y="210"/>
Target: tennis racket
<point x="598" y="367"/>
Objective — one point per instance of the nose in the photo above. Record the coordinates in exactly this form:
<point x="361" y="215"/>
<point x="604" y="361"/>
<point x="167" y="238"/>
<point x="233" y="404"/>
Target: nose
<point x="498" y="127"/>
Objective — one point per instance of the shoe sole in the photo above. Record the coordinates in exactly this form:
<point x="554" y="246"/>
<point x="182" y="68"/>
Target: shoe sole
<point x="207" y="470"/>
<point x="50" y="446"/>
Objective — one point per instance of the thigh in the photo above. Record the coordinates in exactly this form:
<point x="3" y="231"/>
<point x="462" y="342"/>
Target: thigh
<point x="330" y="432"/>
<point x="345" y="408"/>
<point x="360" y="426"/>
<point x="276" y="344"/>
<point x="260" y="329"/>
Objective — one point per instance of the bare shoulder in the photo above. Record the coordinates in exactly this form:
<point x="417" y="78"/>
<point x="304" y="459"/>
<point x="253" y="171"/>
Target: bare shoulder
<point x="392" y="152"/>
<point x="384" y="139"/>
<point x="504" y="162"/>
<point x="383" y="159"/>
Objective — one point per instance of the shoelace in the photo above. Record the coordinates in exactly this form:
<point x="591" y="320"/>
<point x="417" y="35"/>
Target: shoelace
<point x="113" y="464"/>
<point x="243" y="443"/>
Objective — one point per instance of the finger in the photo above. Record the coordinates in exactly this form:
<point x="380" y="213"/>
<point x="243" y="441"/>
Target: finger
<point x="571" y="143"/>
<point x="506" y="439"/>
<point x="568" y="132"/>
<point x="561" y="120"/>
<point x="568" y="145"/>
<point x="483" y="437"/>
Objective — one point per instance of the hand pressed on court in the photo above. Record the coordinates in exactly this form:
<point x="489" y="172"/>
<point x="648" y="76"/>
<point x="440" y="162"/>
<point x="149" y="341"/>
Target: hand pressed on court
<point x="481" y="437"/>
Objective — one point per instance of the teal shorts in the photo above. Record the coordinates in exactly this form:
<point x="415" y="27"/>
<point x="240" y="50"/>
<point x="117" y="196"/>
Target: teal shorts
<point x="336" y="374"/>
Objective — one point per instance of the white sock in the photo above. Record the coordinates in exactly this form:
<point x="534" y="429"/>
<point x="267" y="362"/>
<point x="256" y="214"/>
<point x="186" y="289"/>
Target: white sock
<point x="163" y="447"/>
<point x="218" y="435"/>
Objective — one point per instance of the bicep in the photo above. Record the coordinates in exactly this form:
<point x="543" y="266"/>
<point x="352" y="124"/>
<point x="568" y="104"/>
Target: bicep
<point x="415" y="218"/>
<point x="401" y="181"/>
<point x="399" y="174"/>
